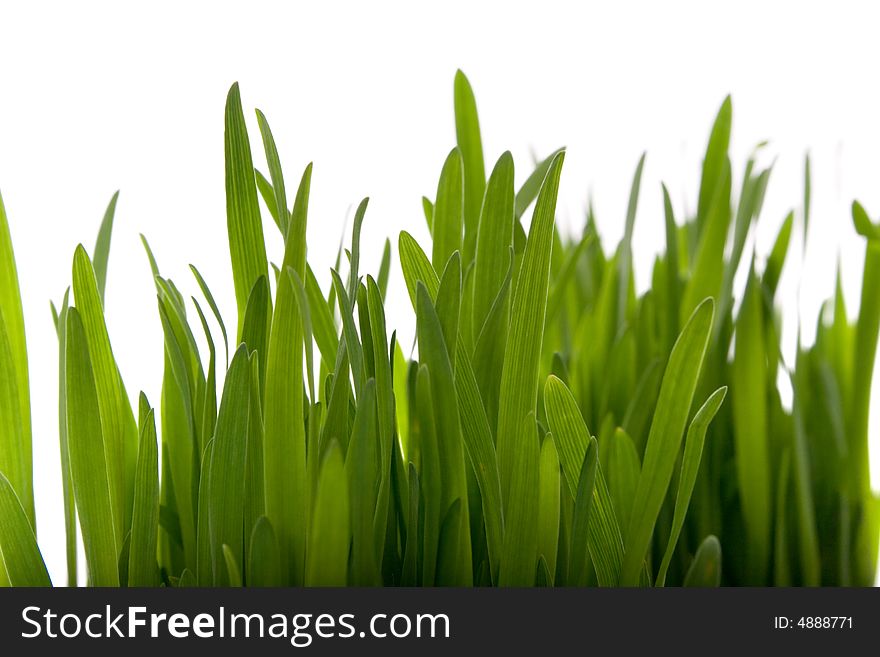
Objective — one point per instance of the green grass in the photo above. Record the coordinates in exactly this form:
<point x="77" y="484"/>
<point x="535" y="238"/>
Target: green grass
<point x="556" y="427"/>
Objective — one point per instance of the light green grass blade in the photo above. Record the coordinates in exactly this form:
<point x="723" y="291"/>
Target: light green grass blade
<point x="101" y="253"/>
<point x="519" y="378"/>
<point x="349" y="331"/>
<point x="664" y="439"/>
<point x="528" y="192"/>
<point x="12" y="457"/>
<point x="226" y="485"/>
<point x="88" y="465"/>
<point x="117" y="420"/>
<point x="284" y="453"/>
<point x="330" y="536"/>
<point x="70" y="530"/>
<point x="773" y="270"/>
<point x="264" y="561"/>
<point x="749" y="390"/>
<point x="19" y="467"/>
<point x="705" y="570"/>
<point x="494" y="240"/>
<point x="274" y="163"/>
<point x="572" y="440"/>
<point x="384" y="268"/>
<point x="257" y="323"/>
<point x="264" y="187"/>
<point x="143" y="570"/>
<point x="519" y="557"/>
<point x="204" y="555"/>
<point x="467" y="131"/>
<point x="18" y="544"/>
<point x="690" y="467"/>
<point x="713" y="163"/>
<point x="548" y="504"/>
<point x="247" y="247"/>
<point x="322" y="320"/>
<point x="624" y="262"/>
<point x="448" y="209"/>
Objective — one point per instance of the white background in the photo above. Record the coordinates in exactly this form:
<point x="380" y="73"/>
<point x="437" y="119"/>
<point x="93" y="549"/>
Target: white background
<point x="96" y="97"/>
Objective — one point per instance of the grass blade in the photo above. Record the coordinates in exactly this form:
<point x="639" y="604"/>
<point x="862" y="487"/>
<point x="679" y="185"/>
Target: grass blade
<point x="690" y="467"/>
<point x="247" y="247"/>
<point x="330" y="536"/>
<point x="88" y="465"/>
<point x="143" y="570"/>
<point x="467" y="130"/>
<point x="19" y="467"/>
<point x="664" y="439"/>
<point x="519" y="390"/>
<point x="18" y="545"/>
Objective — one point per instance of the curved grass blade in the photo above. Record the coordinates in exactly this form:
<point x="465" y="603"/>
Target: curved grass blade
<point x="705" y="570"/>
<point x="467" y="131"/>
<point x="572" y="441"/>
<point x="690" y="467"/>
<point x="264" y="561"/>
<point x="275" y="173"/>
<point x="18" y="545"/>
<point x="664" y="439"/>
<point x="213" y="305"/>
<point x="102" y="245"/>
